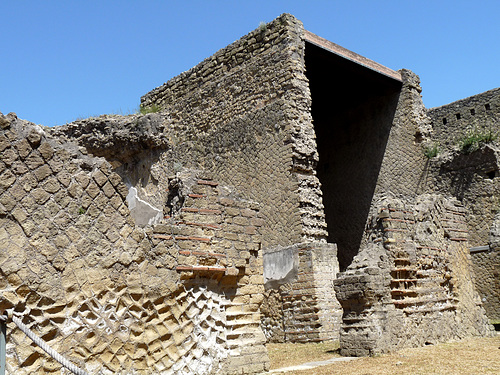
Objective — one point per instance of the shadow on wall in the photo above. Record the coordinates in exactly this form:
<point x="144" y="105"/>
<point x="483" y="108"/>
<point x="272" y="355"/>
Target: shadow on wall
<point x="353" y="109"/>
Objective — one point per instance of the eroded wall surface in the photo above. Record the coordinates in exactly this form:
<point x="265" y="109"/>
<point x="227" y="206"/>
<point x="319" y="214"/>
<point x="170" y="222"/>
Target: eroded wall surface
<point x="471" y="175"/>
<point x="412" y="284"/>
<point x="107" y="292"/>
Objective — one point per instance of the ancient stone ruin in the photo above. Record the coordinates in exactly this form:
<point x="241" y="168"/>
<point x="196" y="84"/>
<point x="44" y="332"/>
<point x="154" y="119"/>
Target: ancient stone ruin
<point x="284" y="191"/>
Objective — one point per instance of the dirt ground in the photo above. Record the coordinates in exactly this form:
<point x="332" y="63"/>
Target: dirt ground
<point x="476" y="356"/>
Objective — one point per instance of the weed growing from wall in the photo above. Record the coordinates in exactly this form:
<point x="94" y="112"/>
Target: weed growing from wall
<point x="475" y="138"/>
<point x="150" y="109"/>
<point x="431" y="151"/>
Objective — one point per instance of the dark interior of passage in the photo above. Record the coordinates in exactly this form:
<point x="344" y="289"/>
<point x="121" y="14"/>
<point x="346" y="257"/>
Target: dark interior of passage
<point x="353" y="108"/>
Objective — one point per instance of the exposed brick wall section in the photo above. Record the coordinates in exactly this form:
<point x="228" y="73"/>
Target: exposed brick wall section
<point x="212" y="232"/>
<point x="217" y="238"/>
<point x="414" y="270"/>
<point x="310" y="310"/>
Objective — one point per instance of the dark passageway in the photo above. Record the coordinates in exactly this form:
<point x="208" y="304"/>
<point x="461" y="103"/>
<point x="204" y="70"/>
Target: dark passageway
<point x="353" y="109"/>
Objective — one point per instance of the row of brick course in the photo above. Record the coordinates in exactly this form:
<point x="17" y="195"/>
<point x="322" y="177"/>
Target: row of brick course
<point x="420" y="276"/>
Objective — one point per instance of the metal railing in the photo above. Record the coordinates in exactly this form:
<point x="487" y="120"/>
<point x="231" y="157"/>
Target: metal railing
<point x="15" y="317"/>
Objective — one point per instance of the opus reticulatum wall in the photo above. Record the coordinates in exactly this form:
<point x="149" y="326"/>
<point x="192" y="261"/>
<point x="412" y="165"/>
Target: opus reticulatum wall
<point x="136" y="244"/>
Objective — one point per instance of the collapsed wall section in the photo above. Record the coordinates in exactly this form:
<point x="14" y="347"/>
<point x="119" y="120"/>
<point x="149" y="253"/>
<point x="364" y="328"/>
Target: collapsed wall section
<point x="112" y="296"/>
<point x="412" y="284"/>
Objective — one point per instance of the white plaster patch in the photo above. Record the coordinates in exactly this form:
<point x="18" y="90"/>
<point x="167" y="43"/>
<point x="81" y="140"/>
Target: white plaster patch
<point x="280" y="266"/>
<point x="142" y="212"/>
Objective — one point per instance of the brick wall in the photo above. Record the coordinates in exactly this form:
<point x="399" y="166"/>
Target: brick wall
<point x="115" y="297"/>
<point x="310" y="309"/>
<point x="243" y="114"/>
<point x="486" y="266"/>
<point x="411" y="284"/>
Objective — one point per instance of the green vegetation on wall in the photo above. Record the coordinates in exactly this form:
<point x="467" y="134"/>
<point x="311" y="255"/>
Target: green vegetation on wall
<point x="431" y="151"/>
<point x="475" y="138"/>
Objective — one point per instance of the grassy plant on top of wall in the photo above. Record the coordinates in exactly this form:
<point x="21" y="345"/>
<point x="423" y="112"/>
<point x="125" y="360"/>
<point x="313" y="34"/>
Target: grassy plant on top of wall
<point x="150" y="109"/>
<point x="475" y="138"/>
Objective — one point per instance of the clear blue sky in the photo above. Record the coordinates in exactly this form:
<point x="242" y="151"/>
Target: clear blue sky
<point x="61" y="60"/>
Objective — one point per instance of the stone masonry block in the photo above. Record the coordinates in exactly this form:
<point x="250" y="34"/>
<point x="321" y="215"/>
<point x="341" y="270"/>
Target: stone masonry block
<point x="64" y="178"/>
<point x="108" y="189"/>
<point x="232" y="211"/>
<point x="23" y="148"/>
<point x="19" y="168"/>
<point x="240" y="220"/>
<point x="75" y="190"/>
<point x="92" y="190"/>
<point x="51" y="186"/>
<point x="99" y="177"/>
<point x="7" y="179"/>
<point x="4" y="143"/>
<point x="9" y="156"/>
<point x="46" y="150"/>
<point x="40" y="196"/>
<point x="83" y="179"/>
<point x="34" y="160"/>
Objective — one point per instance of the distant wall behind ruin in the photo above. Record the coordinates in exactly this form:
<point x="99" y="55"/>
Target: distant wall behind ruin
<point x="451" y="121"/>
<point x="473" y="177"/>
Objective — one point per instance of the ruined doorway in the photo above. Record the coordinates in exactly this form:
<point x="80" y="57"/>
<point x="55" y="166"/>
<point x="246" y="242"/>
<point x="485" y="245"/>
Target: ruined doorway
<point x="353" y="108"/>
